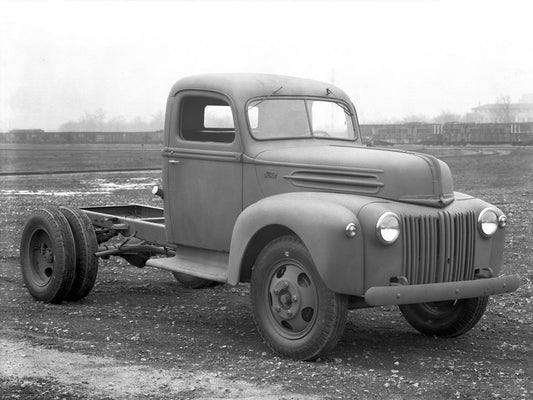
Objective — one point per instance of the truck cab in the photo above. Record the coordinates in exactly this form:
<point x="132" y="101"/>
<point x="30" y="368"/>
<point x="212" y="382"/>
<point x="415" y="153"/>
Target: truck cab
<point x="266" y="181"/>
<point x="218" y="125"/>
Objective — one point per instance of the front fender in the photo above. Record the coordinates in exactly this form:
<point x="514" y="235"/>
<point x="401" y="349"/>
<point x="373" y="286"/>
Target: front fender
<point x="320" y="223"/>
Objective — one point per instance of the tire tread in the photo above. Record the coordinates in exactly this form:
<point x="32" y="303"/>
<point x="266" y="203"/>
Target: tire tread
<point x="86" y="244"/>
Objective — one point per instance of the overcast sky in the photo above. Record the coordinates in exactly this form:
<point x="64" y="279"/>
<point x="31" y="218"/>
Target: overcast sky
<point x="60" y="60"/>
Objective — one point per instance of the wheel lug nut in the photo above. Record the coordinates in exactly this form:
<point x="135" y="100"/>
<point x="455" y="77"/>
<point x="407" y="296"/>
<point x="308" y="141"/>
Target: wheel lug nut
<point x="278" y="309"/>
<point x="294" y="299"/>
<point x="289" y="313"/>
<point x="285" y="285"/>
<point x="276" y="291"/>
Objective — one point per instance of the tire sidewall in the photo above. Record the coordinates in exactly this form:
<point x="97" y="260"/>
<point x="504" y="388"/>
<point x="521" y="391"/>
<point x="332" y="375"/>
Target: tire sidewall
<point x="266" y="265"/>
<point x="57" y="228"/>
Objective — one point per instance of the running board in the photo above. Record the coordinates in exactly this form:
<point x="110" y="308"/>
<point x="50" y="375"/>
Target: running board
<point x="207" y="264"/>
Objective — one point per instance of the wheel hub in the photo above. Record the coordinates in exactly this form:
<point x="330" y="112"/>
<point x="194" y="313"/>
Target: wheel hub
<point x="42" y="258"/>
<point x="293" y="300"/>
<point x="47" y="253"/>
<point x="285" y="299"/>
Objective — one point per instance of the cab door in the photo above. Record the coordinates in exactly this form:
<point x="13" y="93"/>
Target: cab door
<point x="203" y="196"/>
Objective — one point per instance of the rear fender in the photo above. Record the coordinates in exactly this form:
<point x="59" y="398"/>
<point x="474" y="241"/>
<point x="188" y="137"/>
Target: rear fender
<point x="319" y="223"/>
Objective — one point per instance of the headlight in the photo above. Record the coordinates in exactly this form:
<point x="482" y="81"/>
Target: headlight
<point x="488" y="222"/>
<point x="388" y="228"/>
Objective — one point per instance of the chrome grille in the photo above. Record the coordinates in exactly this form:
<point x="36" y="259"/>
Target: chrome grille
<point x="438" y="248"/>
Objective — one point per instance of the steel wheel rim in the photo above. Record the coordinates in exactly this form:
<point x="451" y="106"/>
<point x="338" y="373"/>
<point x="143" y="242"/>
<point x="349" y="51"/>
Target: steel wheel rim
<point x="41" y="257"/>
<point x="292" y="300"/>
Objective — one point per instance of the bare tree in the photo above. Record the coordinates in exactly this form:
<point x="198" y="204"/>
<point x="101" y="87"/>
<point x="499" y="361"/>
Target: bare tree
<point x="157" y="122"/>
<point x="504" y="111"/>
<point x="89" y="122"/>
<point x="97" y="122"/>
<point x="447" y="116"/>
<point x="414" y="119"/>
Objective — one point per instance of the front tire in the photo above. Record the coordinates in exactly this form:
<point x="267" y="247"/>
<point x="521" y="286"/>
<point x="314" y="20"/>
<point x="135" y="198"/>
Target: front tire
<point x="295" y="313"/>
<point x="445" y="318"/>
<point x="47" y="255"/>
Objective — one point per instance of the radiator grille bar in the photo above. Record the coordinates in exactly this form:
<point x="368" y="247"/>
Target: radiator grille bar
<point x="439" y="248"/>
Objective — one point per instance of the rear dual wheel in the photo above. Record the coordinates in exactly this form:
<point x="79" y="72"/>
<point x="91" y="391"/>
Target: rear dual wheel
<point x="47" y="255"/>
<point x="86" y="267"/>
<point x="57" y="255"/>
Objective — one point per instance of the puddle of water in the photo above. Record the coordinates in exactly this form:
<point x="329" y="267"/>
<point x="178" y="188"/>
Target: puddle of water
<point x="130" y="184"/>
<point x="8" y="193"/>
<point x="99" y="186"/>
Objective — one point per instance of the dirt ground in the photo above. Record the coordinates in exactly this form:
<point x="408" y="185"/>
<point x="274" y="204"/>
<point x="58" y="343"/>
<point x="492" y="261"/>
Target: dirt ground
<point x="140" y="334"/>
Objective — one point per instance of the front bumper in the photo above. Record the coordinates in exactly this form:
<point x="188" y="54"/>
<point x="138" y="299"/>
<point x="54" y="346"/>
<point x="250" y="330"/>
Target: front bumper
<point x="410" y="294"/>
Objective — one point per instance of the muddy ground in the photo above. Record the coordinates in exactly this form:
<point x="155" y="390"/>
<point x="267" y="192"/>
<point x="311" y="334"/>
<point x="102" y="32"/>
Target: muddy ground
<point x="140" y="334"/>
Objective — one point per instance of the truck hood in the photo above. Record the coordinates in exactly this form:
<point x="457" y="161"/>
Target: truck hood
<point x="389" y="174"/>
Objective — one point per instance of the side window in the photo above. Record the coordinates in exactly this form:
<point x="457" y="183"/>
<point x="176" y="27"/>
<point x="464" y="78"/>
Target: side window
<point x="206" y="119"/>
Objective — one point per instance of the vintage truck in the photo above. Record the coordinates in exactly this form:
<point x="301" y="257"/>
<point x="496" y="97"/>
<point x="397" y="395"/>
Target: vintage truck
<point x="266" y="181"/>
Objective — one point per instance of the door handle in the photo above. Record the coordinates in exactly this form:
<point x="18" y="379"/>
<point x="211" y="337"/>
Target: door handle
<point x="173" y="161"/>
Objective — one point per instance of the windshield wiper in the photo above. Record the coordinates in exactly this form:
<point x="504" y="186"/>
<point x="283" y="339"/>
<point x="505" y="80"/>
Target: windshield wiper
<point x="341" y="105"/>
<point x="275" y="92"/>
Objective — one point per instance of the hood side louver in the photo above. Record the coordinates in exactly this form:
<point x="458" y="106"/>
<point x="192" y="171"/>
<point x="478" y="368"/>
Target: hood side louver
<point x="365" y="182"/>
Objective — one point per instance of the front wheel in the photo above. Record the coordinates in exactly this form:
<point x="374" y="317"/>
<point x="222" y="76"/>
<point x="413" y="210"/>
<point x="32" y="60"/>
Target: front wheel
<point x="294" y="312"/>
<point x="445" y="318"/>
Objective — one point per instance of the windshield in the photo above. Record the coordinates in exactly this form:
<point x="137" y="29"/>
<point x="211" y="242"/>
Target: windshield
<point x="300" y="118"/>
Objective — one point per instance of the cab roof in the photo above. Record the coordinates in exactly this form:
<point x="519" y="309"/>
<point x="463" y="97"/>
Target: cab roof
<point x="242" y="87"/>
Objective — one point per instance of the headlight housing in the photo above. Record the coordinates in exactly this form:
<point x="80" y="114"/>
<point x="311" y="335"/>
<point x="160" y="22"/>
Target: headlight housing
<point x="488" y="222"/>
<point x="388" y="228"/>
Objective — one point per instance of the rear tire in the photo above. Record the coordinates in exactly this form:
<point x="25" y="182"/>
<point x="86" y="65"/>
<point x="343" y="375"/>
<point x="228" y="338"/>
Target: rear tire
<point x="295" y="313"/>
<point x="445" y="318"/>
<point x="193" y="282"/>
<point x="47" y="255"/>
<point x="86" y="246"/>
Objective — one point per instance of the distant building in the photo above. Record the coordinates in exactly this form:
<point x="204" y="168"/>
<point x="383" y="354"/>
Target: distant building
<point x="505" y="111"/>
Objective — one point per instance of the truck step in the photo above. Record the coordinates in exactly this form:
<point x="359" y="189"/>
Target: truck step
<point x="207" y="264"/>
